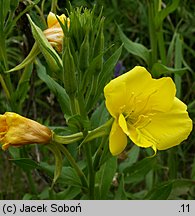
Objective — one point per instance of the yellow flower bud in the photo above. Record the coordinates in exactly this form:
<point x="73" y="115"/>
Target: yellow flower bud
<point x="16" y="130"/>
<point x="54" y="33"/>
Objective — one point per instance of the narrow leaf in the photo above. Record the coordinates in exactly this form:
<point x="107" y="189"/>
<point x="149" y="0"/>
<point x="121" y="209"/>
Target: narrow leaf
<point x="159" y="69"/>
<point x="134" y="48"/>
<point x="107" y="173"/>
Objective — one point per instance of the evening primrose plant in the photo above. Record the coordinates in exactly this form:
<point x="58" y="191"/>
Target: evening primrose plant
<point x="99" y="114"/>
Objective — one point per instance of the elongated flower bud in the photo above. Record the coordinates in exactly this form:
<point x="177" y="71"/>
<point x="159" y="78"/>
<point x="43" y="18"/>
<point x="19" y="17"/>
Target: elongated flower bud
<point x="54" y="33"/>
<point x="16" y="130"/>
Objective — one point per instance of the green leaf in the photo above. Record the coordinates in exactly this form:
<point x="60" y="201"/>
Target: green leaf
<point x="134" y="48"/>
<point x="161" y="192"/>
<point x="99" y="116"/>
<point x="77" y="123"/>
<point x="159" y="69"/>
<point x="106" y="175"/>
<point x="138" y="171"/>
<point x="178" y="64"/>
<point x="68" y="194"/>
<point x="171" y="189"/>
<point x="181" y="187"/>
<point x="58" y="90"/>
<point x="108" y="67"/>
<point x="133" y="155"/>
<point x="68" y="175"/>
<point x="162" y="14"/>
<point x="25" y="163"/>
<point x="49" y="53"/>
<point x="120" y="193"/>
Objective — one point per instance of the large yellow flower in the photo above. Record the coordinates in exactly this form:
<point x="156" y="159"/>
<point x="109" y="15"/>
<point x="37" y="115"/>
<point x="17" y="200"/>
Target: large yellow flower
<point x="16" y="130"/>
<point x="54" y="33"/>
<point x="146" y="110"/>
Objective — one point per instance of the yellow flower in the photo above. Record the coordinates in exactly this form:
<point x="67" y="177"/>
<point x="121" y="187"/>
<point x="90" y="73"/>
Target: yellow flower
<point x="54" y="33"/>
<point x="16" y="130"/>
<point x="146" y="110"/>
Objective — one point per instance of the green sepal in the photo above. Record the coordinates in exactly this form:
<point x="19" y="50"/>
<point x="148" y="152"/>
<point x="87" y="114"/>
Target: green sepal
<point x="28" y="60"/>
<point x="99" y="46"/>
<point x="68" y="139"/>
<point x="58" y="161"/>
<point x="69" y="70"/>
<point x="84" y="54"/>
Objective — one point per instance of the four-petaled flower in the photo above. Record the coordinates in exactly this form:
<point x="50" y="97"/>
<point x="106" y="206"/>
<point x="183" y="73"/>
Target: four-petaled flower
<point x="54" y="33"/>
<point x="146" y="110"/>
<point x="16" y="130"/>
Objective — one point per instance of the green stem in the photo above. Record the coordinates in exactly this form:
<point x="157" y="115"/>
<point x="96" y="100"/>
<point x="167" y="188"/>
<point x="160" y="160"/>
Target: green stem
<point x="74" y="105"/>
<point x="172" y="163"/>
<point x="161" y="46"/>
<point x="91" y="171"/>
<point x="4" y="86"/>
<point x="54" y="5"/>
<point x="74" y="165"/>
<point x="31" y="183"/>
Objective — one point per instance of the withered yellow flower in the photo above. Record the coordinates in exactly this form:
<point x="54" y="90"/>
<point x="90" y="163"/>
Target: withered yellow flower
<point x="16" y="130"/>
<point x="145" y="110"/>
<point x="54" y="33"/>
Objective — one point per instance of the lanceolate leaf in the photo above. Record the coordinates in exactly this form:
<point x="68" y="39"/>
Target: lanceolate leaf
<point x="162" y="14"/>
<point x="25" y="163"/>
<point x="107" y="173"/>
<point x="158" y="69"/>
<point x="134" y="48"/>
<point x="58" y="161"/>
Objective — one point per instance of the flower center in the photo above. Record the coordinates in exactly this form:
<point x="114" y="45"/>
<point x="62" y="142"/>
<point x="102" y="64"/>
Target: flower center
<point x="138" y="112"/>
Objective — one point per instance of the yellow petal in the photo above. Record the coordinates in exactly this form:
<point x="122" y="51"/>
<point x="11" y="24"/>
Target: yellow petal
<point x="17" y="130"/>
<point x="119" y="91"/>
<point x="137" y="91"/>
<point x="62" y="18"/>
<point x="117" y="139"/>
<point x="158" y="96"/>
<point x="51" y="19"/>
<point x="165" y="129"/>
<point x="123" y="124"/>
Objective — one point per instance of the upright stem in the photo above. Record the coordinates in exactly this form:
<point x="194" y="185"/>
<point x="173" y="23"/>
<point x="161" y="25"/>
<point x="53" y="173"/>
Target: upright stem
<point x="161" y="45"/>
<point x="31" y="183"/>
<point x="87" y="148"/>
<point x="91" y="172"/>
<point x="4" y="87"/>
